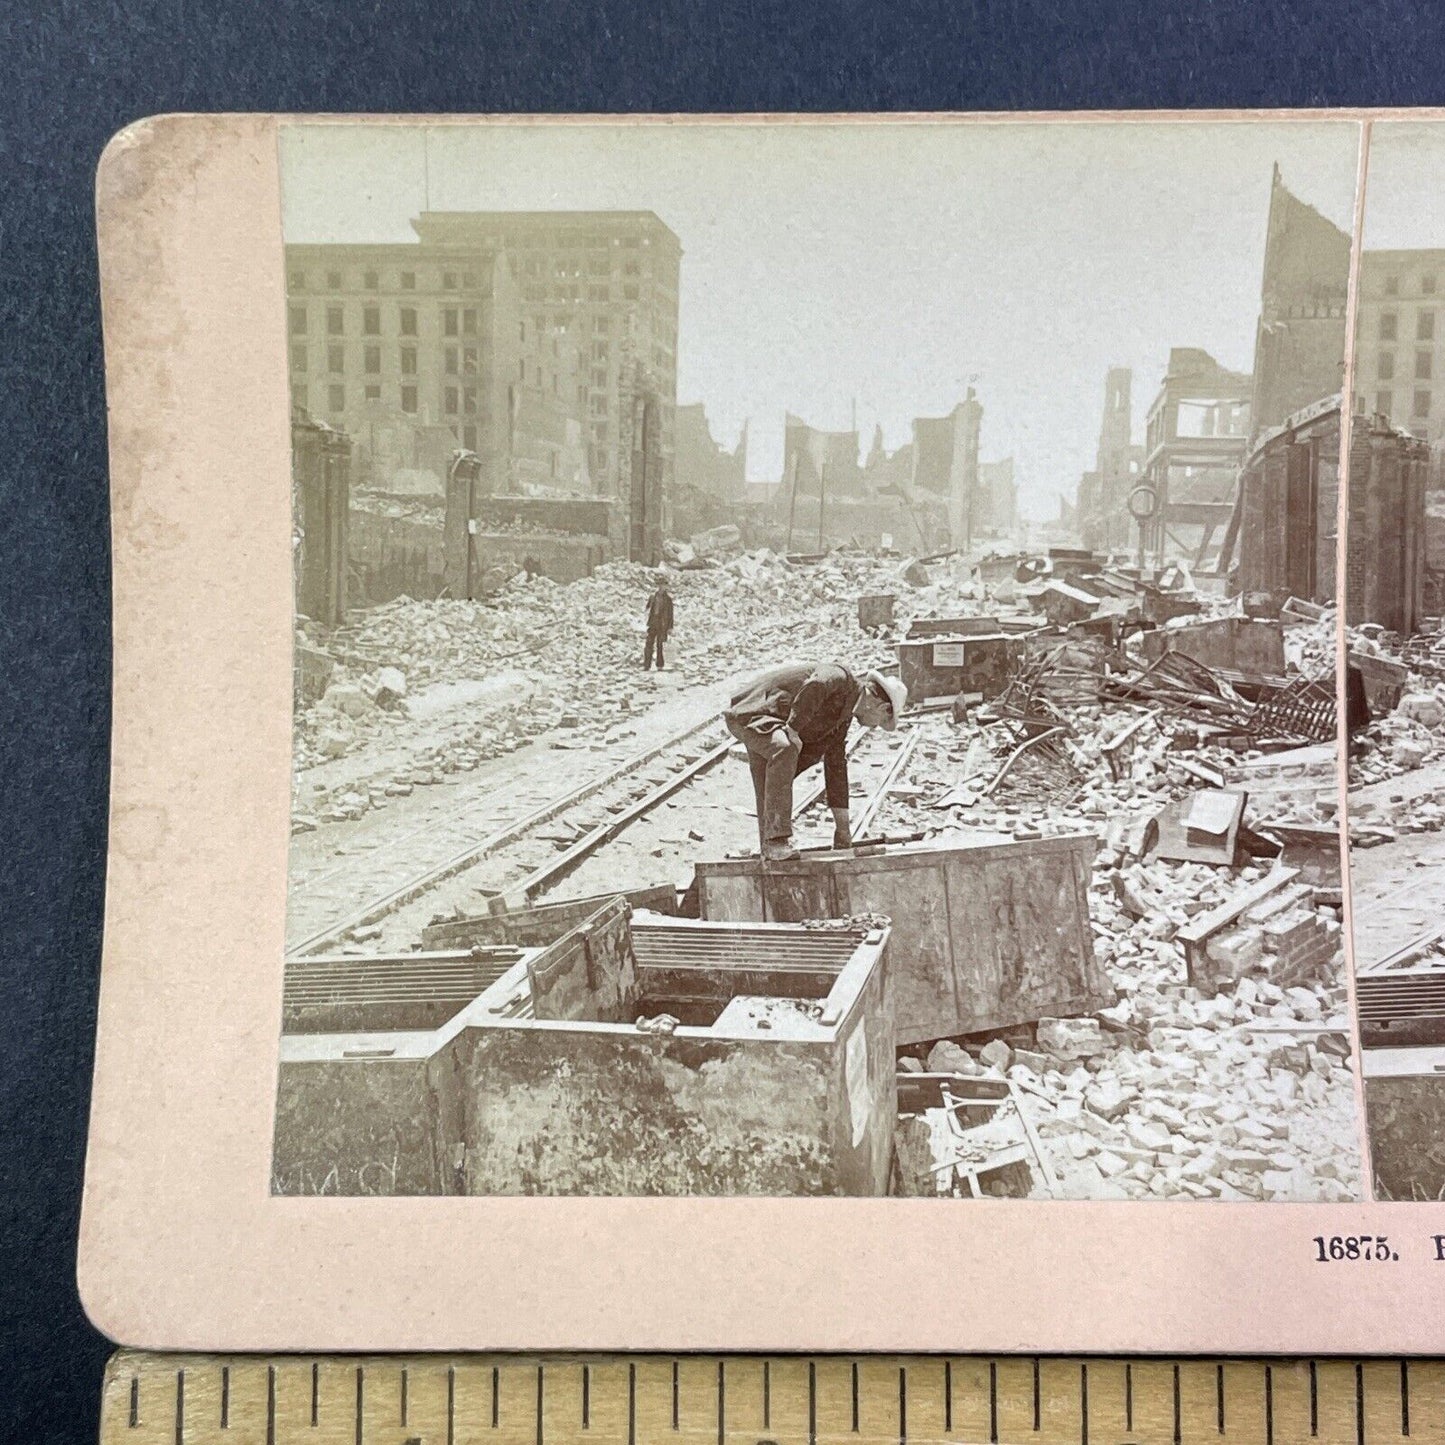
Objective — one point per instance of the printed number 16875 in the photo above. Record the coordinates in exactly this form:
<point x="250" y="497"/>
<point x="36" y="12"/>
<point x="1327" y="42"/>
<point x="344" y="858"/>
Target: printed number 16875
<point x="1353" y="1246"/>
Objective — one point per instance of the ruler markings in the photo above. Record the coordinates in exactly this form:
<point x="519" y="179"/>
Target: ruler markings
<point x="826" y="1400"/>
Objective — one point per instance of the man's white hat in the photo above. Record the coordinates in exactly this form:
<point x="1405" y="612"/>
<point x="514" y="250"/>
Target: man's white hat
<point x="892" y="688"/>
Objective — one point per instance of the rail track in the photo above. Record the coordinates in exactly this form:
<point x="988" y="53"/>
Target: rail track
<point x="632" y="825"/>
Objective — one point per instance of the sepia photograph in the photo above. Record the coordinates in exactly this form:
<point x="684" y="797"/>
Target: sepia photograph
<point x="815" y="660"/>
<point x="1395" y="634"/>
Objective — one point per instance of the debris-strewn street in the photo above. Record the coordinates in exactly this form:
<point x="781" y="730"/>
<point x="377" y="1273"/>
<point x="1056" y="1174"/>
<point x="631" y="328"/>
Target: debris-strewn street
<point x="1222" y="1068"/>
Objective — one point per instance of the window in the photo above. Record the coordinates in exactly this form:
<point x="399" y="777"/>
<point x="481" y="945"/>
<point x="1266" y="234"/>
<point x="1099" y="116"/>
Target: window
<point x="449" y="321"/>
<point x="599" y="405"/>
<point x="523" y="331"/>
<point x="298" y="395"/>
<point x="408" y="280"/>
<point x="629" y="293"/>
<point x="298" y="320"/>
<point x="1425" y="326"/>
<point x="1385" y="366"/>
<point x="298" y="358"/>
<point x="336" y="358"/>
<point x="469" y="321"/>
<point x="371" y="321"/>
<point x="469" y="281"/>
<point x="408" y="361"/>
<point x="469" y="400"/>
<point x="449" y="401"/>
<point x="1389" y="325"/>
<point x="522" y="369"/>
<point x="298" y="280"/>
<point x="1427" y="285"/>
<point x="469" y="438"/>
<point x="372" y="363"/>
<point x="370" y="280"/>
<point x="1392" y="285"/>
<point x="599" y="378"/>
<point x="408" y="321"/>
<point x="1422" y="404"/>
<point x="529" y="266"/>
<point x="1384" y="402"/>
<point x="1423" y="362"/>
<point x="599" y="266"/>
<point x="597" y="293"/>
<point x="449" y="280"/>
<point x="408" y="398"/>
<point x="601" y="325"/>
<point x="599" y="351"/>
<point x="336" y="398"/>
<point x="334" y="320"/>
<point x="469" y="360"/>
<point x="449" y="361"/>
<point x="373" y="393"/>
<point x="333" y="280"/>
<point x="630" y="268"/>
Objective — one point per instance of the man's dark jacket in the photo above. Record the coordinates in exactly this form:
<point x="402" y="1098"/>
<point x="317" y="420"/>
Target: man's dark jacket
<point x="817" y="703"/>
<point x="659" y="614"/>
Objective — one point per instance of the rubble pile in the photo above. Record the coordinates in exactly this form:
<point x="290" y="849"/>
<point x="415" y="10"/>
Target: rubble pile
<point x="470" y="681"/>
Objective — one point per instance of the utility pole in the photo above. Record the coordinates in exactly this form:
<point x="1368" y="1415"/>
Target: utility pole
<point x="822" y="492"/>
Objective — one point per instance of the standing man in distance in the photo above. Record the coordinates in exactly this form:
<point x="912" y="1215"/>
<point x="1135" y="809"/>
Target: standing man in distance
<point x="793" y="716"/>
<point x="659" y="624"/>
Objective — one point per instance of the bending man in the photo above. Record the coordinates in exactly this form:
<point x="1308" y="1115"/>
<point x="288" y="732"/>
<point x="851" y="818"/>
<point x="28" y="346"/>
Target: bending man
<point x="793" y="716"/>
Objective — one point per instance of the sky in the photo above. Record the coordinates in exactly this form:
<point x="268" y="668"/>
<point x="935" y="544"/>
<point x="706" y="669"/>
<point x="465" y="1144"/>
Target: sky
<point x="889" y="265"/>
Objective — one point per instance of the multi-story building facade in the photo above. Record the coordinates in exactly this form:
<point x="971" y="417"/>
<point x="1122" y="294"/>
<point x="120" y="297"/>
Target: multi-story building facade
<point x="609" y="277"/>
<point x="416" y="351"/>
<point x="1400" y="340"/>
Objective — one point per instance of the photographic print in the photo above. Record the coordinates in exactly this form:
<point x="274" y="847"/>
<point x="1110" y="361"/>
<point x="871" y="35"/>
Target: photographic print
<point x="815" y="657"/>
<point x="1396" y="661"/>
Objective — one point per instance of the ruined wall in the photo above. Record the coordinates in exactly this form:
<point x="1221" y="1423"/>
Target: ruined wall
<point x="596" y="1112"/>
<point x="577" y="516"/>
<point x="1385" y="549"/>
<point x="395" y="557"/>
<point x="1241" y="644"/>
<point x="1407" y="1136"/>
<point x="562" y="559"/>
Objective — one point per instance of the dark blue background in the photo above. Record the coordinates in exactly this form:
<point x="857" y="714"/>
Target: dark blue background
<point x="71" y="74"/>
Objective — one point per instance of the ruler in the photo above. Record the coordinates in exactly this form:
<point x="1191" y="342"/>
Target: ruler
<point x="160" y="1399"/>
